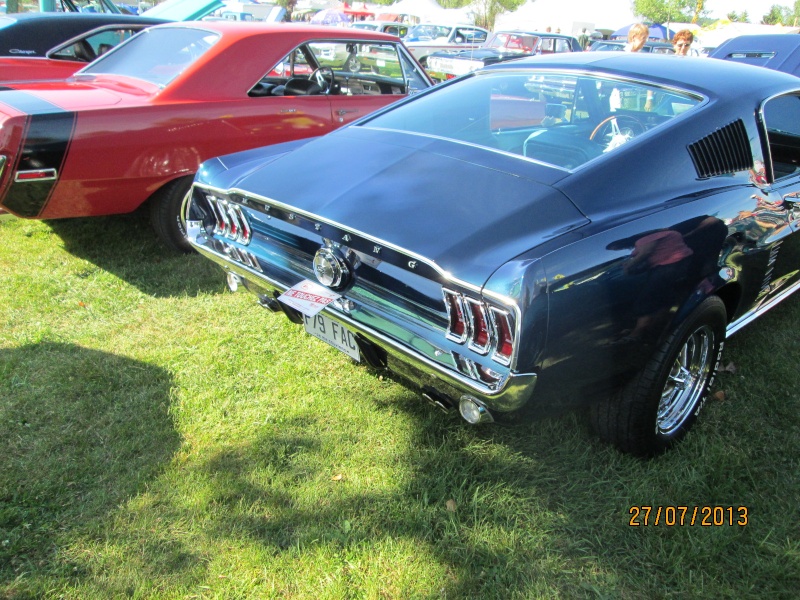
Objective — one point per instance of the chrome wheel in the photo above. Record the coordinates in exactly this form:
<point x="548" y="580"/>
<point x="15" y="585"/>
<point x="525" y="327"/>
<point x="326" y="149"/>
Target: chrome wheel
<point x="686" y="381"/>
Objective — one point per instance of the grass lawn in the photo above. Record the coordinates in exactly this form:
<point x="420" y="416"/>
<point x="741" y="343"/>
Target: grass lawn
<point x="161" y="437"/>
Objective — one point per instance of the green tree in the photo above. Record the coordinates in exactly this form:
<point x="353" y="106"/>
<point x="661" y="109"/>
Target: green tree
<point x="735" y="17"/>
<point x="486" y="11"/>
<point x="793" y="16"/>
<point x="665" y="11"/>
<point x="777" y="15"/>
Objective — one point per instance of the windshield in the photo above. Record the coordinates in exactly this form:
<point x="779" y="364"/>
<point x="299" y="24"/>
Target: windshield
<point x="429" y="32"/>
<point x="522" y="42"/>
<point x="561" y="119"/>
<point x="157" y="55"/>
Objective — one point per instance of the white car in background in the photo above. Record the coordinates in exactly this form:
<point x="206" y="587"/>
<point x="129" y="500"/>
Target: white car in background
<point x="427" y="38"/>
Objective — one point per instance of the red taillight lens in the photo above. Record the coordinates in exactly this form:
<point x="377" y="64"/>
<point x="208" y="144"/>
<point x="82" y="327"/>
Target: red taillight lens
<point x="480" y="338"/>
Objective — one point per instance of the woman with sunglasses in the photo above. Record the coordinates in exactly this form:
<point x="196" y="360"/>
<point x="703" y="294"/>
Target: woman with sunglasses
<point x="682" y="42"/>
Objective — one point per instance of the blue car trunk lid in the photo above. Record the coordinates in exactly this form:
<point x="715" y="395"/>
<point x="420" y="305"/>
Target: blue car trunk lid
<point x="429" y="197"/>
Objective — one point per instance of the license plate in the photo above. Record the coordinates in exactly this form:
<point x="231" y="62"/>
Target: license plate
<point x="333" y="333"/>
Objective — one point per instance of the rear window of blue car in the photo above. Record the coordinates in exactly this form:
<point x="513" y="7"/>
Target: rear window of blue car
<point x="157" y="55"/>
<point x="561" y="119"/>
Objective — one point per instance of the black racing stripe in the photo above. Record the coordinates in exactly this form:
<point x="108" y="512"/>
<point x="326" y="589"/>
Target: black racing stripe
<point x="45" y="147"/>
<point x="27" y="102"/>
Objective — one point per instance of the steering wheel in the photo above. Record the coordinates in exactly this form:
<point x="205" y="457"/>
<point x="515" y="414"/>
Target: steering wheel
<point x="619" y="125"/>
<point x="324" y="77"/>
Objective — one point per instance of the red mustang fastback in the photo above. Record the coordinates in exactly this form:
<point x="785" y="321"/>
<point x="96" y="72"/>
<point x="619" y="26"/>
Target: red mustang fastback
<point x="133" y="126"/>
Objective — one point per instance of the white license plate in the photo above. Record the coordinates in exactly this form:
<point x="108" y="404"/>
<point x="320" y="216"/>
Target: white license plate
<point x="333" y="333"/>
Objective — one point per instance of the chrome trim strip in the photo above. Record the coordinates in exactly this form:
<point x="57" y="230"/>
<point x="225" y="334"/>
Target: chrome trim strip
<point x="269" y="203"/>
<point x="747" y="318"/>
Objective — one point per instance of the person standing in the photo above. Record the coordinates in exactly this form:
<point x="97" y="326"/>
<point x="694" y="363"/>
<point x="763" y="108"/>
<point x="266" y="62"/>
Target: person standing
<point x="637" y="36"/>
<point x="583" y="38"/>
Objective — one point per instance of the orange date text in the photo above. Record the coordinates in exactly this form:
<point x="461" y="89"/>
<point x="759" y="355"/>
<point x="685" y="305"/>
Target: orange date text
<point x="679" y="516"/>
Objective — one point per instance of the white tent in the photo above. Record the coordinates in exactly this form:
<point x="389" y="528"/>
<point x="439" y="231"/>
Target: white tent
<point x="567" y="15"/>
<point x="427" y="10"/>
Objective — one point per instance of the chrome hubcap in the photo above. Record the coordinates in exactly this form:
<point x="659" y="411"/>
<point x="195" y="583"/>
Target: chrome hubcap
<point x="685" y="381"/>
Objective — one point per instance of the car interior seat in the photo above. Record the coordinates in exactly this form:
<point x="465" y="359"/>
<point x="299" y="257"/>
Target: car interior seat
<point x="298" y="86"/>
<point x="84" y="52"/>
<point x="263" y="88"/>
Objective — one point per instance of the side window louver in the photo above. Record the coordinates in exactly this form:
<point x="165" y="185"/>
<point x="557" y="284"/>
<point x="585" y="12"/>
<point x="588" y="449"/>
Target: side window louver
<point x="723" y="152"/>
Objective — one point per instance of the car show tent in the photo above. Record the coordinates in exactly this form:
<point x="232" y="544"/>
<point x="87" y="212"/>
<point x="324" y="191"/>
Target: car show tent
<point x="539" y="14"/>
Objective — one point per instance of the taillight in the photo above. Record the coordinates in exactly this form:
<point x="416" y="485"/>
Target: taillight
<point x="457" y="327"/>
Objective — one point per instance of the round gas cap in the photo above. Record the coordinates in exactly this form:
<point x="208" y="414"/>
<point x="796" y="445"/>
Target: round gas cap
<point x="331" y="268"/>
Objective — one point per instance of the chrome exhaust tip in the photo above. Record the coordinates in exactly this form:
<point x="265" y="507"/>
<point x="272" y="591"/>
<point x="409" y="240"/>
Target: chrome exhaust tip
<point x="473" y="411"/>
<point x="234" y="281"/>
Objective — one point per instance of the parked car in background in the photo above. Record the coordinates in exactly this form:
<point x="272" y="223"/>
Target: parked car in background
<point x="528" y="236"/>
<point x="390" y="27"/>
<point x="778" y="51"/>
<point x="66" y="6"/>
<point x="183" y="10"/>
<point x="427" y="38"/>
<point x="619" y="46"/>
<point x="55" y="45"/>
<point x="133" y="126"/>
<point x="502" y="45"/>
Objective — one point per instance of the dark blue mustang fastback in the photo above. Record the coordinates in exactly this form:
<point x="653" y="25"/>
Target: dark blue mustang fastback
<point x="577" y="229"/>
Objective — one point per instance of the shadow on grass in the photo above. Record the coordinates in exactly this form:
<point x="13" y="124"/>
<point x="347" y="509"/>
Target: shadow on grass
<point x="69" y="460"/>
<point x="538" y="509"/>
<point x="127" y="246"/>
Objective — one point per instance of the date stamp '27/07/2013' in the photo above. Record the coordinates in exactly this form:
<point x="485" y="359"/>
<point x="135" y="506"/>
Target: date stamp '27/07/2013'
<point x="679" y="516"/>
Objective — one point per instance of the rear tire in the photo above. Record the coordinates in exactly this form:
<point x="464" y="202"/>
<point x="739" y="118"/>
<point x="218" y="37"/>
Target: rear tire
<point x="168" y="213"/>
<point x="660" y="404"/>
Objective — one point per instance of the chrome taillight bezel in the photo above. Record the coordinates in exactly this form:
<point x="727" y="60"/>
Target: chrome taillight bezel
<point x="230" y="221"/>
<point x="503" y="326"/>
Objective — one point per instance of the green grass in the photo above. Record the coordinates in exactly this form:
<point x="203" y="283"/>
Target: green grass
<point x="161" y="437"/>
